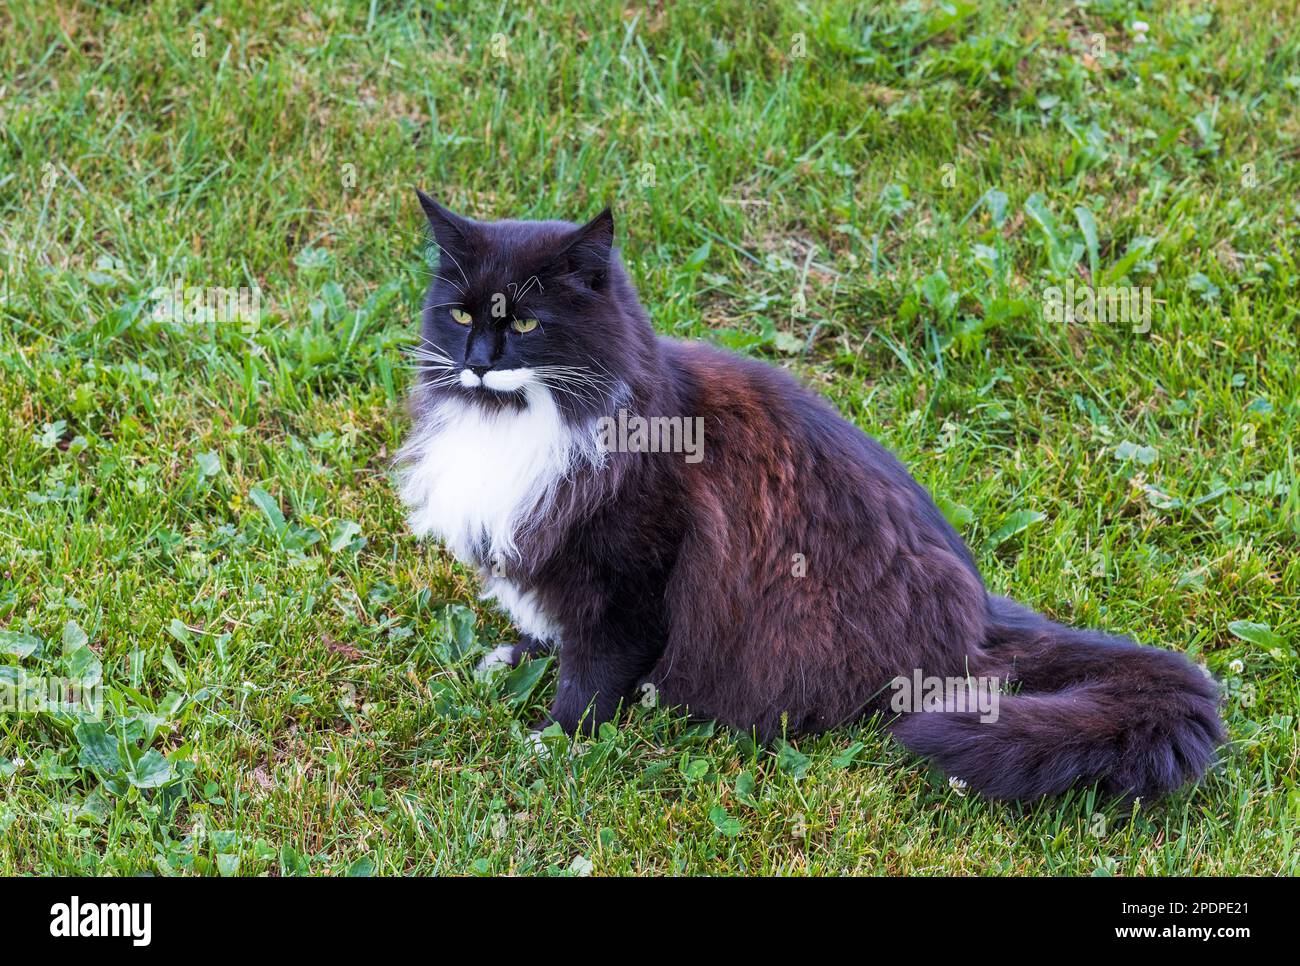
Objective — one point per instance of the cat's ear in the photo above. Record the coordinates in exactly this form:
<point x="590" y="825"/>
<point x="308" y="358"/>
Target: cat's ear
<point x="450" y="231"/>
<point x="586" y="251"/>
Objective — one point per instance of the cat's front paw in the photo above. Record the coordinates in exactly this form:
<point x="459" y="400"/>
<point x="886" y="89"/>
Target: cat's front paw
<point x="497" y="658"/>
<point x="538" y="745"/>
<point x="509" y="655"/>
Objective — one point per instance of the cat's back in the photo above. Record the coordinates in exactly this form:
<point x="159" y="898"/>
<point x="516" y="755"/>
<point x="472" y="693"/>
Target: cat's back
<point x="755" y="406"/>
<point x="772" y="441"/>
<point x="716" y="379"/>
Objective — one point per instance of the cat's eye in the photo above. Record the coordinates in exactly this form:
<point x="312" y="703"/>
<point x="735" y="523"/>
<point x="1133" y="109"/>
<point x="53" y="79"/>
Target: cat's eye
<point x="461" y="316"/>
<point x="523" y="325"/>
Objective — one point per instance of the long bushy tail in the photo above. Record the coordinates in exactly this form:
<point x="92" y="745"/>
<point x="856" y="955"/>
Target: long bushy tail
<point x="1087" y="708"/>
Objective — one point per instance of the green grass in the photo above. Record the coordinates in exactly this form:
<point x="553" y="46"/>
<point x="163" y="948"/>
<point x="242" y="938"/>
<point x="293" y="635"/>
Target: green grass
<point x="210" y="506"/>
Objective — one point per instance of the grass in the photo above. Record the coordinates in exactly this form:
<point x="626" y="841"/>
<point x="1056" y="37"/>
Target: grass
<point x="201" y="513"/>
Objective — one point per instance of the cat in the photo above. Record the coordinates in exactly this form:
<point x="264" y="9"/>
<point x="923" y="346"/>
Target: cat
<point x="782" y="583"/>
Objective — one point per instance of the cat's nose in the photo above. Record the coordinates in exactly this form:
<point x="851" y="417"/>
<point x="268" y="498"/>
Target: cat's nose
<point x="479" y="370"/>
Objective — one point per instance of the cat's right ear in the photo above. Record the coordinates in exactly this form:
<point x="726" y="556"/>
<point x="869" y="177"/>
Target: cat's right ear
<point x="450" y="231"/>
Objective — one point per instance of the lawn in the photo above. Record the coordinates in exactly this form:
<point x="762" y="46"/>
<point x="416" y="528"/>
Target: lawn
<point x="197" y="507"/>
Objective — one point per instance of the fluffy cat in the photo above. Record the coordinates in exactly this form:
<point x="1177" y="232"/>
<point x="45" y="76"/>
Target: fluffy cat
<point x="782" y="582"/>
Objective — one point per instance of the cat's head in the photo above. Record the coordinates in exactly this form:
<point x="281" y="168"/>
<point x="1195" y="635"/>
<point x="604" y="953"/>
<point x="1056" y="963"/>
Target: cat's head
<point x="519" y="306"/>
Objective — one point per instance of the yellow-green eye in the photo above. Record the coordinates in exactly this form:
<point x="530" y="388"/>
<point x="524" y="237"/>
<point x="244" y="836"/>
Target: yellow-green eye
<point x="461" y="316"/>
<point x="523" y="325"/>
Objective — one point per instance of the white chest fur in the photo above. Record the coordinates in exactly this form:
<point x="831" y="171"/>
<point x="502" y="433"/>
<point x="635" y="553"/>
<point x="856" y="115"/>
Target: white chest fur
<point x="474" y="479"/>
<point x="524" y="608"/>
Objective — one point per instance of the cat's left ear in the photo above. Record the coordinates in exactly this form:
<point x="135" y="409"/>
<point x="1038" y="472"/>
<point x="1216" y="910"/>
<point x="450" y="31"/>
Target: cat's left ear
<point x="586" y="252"/>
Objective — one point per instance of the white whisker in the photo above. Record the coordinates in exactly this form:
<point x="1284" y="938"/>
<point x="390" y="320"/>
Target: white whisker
<point x="442" y="252"/>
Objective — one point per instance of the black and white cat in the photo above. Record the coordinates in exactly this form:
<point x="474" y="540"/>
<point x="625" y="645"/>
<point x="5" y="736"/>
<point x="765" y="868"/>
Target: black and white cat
<point x="780" y="581"/>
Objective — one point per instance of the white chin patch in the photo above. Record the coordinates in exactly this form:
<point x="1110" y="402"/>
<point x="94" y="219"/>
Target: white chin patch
<point x="507" y="380"/>
<point x="469" y="380"/>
